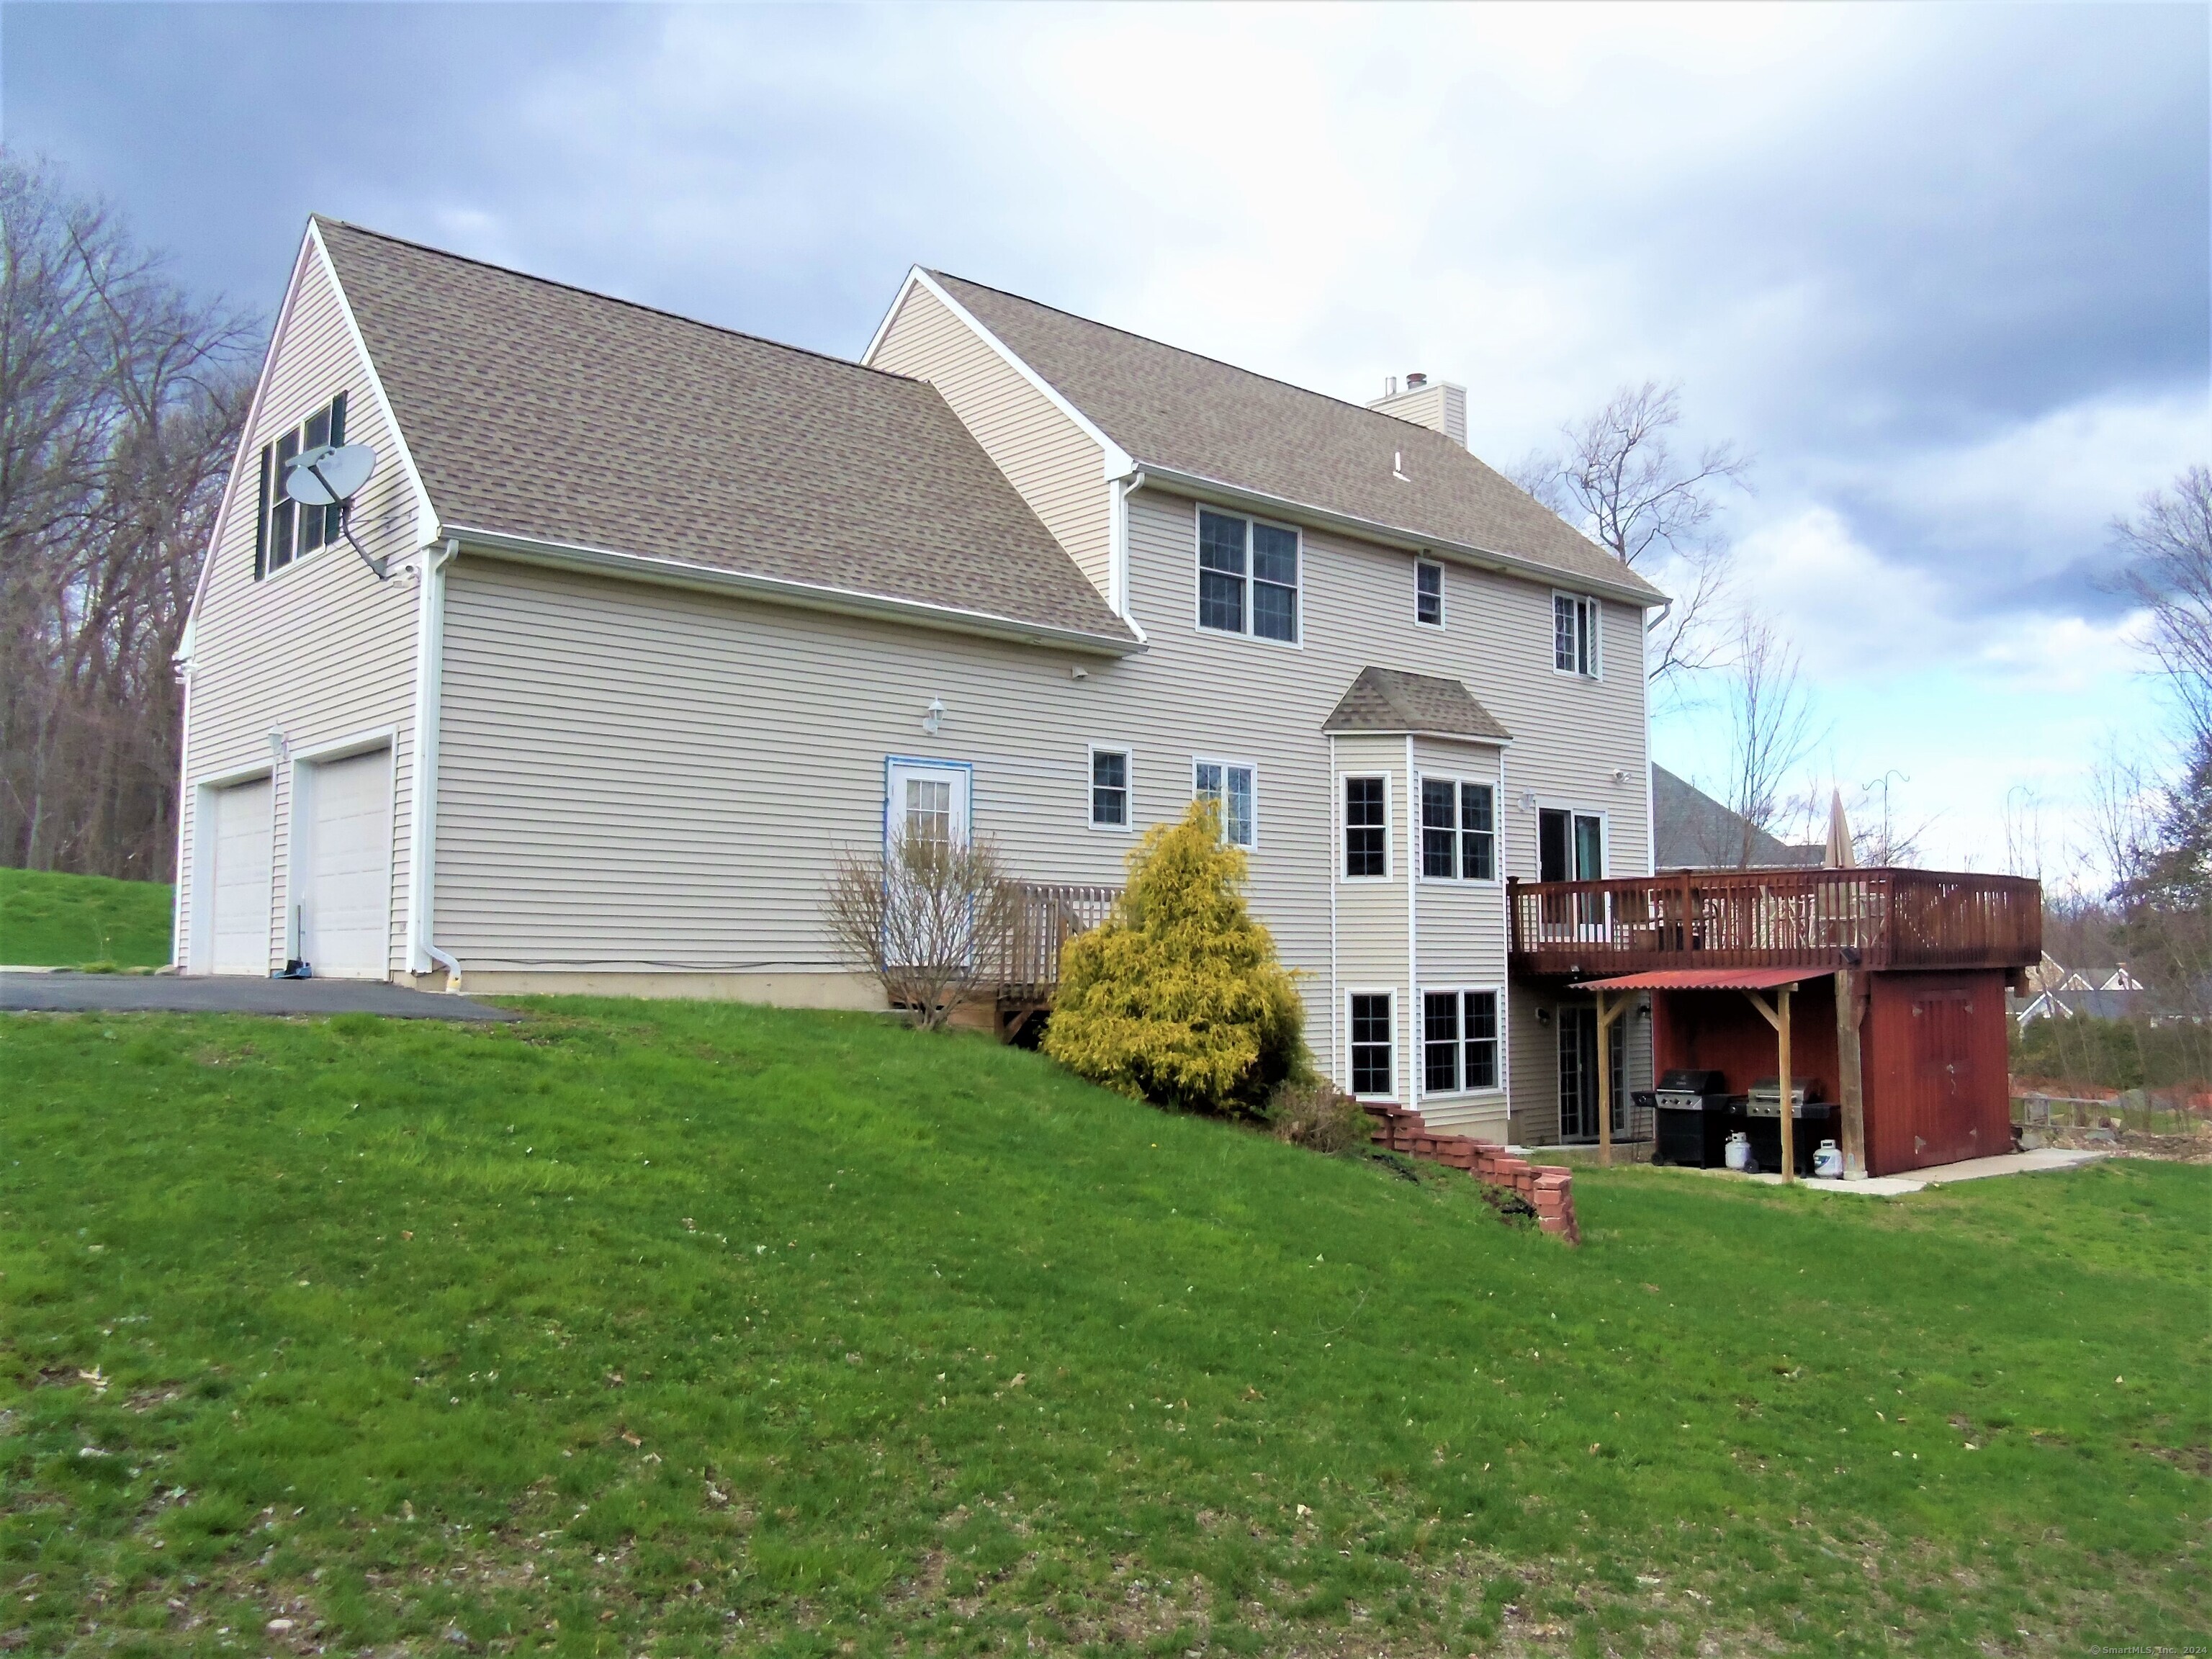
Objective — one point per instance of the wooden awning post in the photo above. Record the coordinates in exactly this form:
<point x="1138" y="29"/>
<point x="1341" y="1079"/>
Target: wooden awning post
<point x="1778" y="1015"/>
<point x="1604" y="1082"/>
<point x="1851" y="1076"/>
<point x="1788" y="1118"/>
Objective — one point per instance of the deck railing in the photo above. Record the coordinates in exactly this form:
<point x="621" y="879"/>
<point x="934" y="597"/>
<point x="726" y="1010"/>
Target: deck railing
<point x="1047" y="915"/>
<point x="1877" y="919"/>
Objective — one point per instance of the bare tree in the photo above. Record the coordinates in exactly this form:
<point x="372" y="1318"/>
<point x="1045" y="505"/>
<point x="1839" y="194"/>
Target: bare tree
<point x="1770" y="732"/>
<point x="2170" y="571"/>
<point x="930" y="917"/>
<point x="120" y="401"/>
<point x="1621" y="479"/>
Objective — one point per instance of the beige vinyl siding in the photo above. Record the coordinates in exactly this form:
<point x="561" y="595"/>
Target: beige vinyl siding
<point x="645" y="779"/>
<point x="321" y="651"/>
<point x="1058" y="470"/>
<point x="635" y="776"/>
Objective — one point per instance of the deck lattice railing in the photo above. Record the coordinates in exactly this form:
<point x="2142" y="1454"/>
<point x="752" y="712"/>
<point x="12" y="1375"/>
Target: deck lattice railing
<point x="1879" y="919"/>
<point x="1046" y="916"/>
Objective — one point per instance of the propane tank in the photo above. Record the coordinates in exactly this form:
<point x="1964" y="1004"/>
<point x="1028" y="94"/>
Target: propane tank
<point x="1738" y="1151"/>
<point x="1828" y="1161"/>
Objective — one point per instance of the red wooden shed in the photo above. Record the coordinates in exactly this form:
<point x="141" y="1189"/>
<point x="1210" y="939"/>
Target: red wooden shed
<point x="1892" y="982"/>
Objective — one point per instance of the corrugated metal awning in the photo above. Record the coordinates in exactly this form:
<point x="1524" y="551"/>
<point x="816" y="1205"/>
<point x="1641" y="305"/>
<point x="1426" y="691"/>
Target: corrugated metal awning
<point x="1707" y="979"/>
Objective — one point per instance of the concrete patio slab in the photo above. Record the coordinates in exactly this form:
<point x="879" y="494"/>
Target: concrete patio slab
<point x="40" y="991"/>
<point x="1937" y="1174"/>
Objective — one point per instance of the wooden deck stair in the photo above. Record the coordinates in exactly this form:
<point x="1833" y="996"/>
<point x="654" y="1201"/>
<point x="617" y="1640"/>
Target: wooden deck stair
<point x="1546" y="1188"/>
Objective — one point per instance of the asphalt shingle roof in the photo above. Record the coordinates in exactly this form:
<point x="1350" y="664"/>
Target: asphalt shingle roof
<point x="538" y="410"/>
<point x="1176" y="409"/>
<point x="1691" y="831"/>
<point x="1391" y="700"/>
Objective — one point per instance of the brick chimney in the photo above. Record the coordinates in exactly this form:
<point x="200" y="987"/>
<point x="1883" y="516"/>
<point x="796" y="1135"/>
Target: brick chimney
<point x="1437" y="404"/>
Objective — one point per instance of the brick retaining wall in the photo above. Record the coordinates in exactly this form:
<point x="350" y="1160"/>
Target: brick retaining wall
<point x="1546" y="1188"/>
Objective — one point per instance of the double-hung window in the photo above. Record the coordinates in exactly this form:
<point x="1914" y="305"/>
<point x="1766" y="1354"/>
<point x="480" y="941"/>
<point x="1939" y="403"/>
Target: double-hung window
<point x="1459" y="830"/>
<point x="1374" y="1058"/>
<point x="1428" y="593"/>
<point x="1110" y="789"/>
<point x="1230" y="787"/>
<point x="1366" y="827"/>
<point x="287" y="530"/>
<point x="1248" y="576"/>
<point x="1575" y="634"/>
<point x="1459" y="1041"/>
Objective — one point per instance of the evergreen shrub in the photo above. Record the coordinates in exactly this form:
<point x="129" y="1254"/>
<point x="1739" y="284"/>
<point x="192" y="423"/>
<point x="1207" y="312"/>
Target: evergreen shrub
<point x="1178" y="998"/>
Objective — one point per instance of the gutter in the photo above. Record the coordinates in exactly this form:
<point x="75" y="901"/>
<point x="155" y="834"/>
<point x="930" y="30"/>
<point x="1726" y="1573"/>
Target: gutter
<point x="1641" y="595"/>
<point x="809" y="596"/>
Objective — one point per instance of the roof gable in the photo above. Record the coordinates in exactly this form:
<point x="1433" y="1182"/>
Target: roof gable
<point x="1178" y="410"/>
<point x="1390" y="700"/>
<point x="550" y="415"/>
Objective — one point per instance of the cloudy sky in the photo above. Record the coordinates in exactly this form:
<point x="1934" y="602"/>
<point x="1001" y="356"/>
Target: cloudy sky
<point x="1942" y="268"/>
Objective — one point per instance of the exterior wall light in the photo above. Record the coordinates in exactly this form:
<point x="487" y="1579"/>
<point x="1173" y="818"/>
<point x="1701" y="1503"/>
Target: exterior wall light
<point x="933" y="716"/>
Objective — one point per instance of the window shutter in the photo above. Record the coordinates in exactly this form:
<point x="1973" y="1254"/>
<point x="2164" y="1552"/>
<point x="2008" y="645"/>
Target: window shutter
<point x="261" y="522"/>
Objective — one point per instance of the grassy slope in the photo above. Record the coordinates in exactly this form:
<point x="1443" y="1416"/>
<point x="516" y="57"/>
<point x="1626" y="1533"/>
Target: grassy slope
<point x="664" y="1328"/>
<point x="51" y="920"/>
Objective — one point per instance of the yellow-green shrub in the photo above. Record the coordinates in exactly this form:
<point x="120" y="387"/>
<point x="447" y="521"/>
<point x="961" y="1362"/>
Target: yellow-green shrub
<point x="1178" y="998"/>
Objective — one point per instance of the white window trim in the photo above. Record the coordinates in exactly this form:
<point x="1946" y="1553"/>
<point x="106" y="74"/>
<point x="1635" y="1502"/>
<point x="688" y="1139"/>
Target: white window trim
<point x="1224" y="763"/>
<point x="1389" y="826"/>
<point x="1127" y="751"/>
<point x="1297" y="641"/>
<point x="1443" y="611"/>
<point x="1421" y="1017"/>
<point x="1597" y="634"/>
<point x="1497" y="832"/>
<point x="1397" y="1056"/>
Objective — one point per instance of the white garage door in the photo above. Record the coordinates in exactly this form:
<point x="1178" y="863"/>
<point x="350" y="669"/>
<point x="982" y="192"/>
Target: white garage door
<point x="239" y="819"/>
<point x="346" y="907"/>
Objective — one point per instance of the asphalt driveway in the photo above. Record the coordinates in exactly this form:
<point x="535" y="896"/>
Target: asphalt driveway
<point x="172" y="994"/>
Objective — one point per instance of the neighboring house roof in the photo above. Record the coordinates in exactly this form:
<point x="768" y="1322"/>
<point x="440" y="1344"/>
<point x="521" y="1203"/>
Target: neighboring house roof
<point x="1390" y="700"/>
<point x="2102" y="1005"/>
<point x="1691" y="831"/>
<point x="1177" y="411"/>
<point x="2119" y="979"/>
<point x="554" y="416"/>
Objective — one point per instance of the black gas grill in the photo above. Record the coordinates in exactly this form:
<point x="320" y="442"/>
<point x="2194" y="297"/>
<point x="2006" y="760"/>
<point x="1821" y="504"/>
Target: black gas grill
<point x="1690" y="1118"/>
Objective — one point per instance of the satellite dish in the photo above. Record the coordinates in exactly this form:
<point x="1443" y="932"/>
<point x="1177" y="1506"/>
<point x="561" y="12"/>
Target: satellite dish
<point x="327" y="475"/>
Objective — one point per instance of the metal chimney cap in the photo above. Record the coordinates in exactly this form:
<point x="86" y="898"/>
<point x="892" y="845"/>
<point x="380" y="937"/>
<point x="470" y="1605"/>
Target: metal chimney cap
<point x="1415" y="382"/>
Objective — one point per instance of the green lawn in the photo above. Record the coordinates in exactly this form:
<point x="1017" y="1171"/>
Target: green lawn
<point x="680" y="1329"/>
<point x="69" y="921"/>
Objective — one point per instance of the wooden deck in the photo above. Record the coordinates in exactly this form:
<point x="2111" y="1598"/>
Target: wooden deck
<point x="1048" y="914"/>
<point x="1873" y="919"/>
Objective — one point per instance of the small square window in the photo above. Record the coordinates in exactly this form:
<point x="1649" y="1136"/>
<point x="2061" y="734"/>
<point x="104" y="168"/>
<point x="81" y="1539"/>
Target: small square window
<point x="1366" y="827"/>
<point x="1110" y="789"/>
<point x="288" y="531"/>
<point x="1373" y="1068"/>
<point x="1428" y="593"/>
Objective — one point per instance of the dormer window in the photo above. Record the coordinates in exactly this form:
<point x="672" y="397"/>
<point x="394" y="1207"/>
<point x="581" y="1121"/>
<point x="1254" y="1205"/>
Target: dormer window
<point x="1248" y="576"/>
<point x="288" y="531"/>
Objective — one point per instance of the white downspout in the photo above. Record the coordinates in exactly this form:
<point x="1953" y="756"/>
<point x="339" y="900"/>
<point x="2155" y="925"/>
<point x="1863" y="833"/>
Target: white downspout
<point x="186" y="800"/>
<point x="422" y="954"/>
<point x="1415" y="1054"/>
